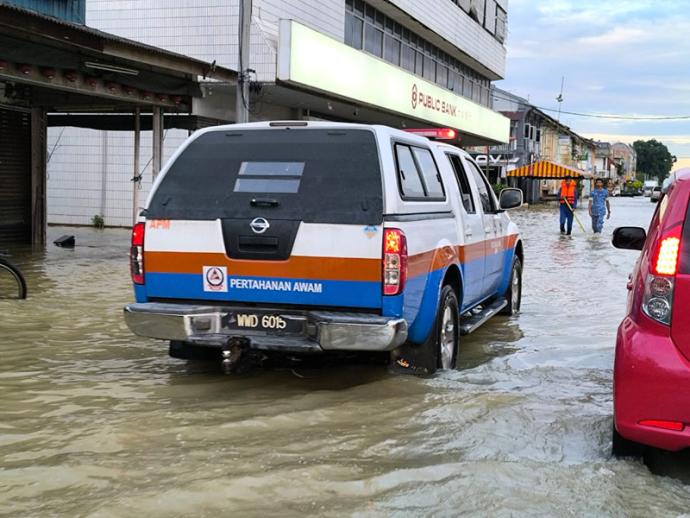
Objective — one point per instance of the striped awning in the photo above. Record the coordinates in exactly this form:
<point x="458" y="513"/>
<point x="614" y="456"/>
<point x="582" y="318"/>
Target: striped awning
<point x="546" y="169"/>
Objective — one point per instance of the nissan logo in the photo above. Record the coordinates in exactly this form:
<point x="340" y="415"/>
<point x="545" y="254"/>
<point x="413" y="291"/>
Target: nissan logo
<point x="259" y="225"/>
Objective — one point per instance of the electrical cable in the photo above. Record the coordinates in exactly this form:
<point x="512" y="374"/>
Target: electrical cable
<point x="595" y="115"/>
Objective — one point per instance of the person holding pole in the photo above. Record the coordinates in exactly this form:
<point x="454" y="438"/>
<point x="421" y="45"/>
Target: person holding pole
<point x="568" y="200"/>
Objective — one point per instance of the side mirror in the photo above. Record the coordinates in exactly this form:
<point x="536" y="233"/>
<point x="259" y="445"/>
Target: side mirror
<point x="629" y="238"/>
<point x="510" y="199"/>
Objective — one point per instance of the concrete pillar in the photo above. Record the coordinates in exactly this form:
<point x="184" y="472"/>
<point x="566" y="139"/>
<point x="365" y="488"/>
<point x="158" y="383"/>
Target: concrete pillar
<point x="157" y="140"/>
<point x="39" y="175"/>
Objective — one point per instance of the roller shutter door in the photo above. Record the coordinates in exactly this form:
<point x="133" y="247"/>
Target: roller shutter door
<point x="15" y="176"/>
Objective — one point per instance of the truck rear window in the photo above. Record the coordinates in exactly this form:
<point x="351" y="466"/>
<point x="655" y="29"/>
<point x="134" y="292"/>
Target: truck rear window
<point x="311" y="175"/>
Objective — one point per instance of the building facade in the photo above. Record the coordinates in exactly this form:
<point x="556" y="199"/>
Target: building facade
<point x="625" y="161"/>
<point x="394" y="62"/>
<point x="534" y="136"/>
<point x="604" y="165"/>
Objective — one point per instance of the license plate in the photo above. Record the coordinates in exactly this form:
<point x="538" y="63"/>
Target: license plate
<point x="271" y="323"/>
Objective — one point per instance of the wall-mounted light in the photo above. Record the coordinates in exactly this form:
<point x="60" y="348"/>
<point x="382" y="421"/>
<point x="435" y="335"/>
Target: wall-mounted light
<point x="25" y="69"/>
<point x="71" y="75"/>
<point x="48" y="72"/>
<point x="111" y="68"/>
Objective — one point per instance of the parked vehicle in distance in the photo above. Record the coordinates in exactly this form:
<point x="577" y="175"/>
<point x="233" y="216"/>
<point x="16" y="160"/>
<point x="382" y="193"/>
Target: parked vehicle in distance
<point x="630" y="192"/>
<point x="652" y="366"/>
<point x="616" y="191"/>
<point x="305" y="237"/>
<point x="656" y="194"/>
<point x="649" y="186"/>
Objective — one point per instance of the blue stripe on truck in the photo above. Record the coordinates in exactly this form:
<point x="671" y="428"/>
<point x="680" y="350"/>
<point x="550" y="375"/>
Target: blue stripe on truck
<point x="356" y="294"/>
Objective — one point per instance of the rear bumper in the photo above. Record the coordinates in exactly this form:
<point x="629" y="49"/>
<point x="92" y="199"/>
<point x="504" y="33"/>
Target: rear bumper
<point x="651" y="382"/>
<point x="323" y="331"/>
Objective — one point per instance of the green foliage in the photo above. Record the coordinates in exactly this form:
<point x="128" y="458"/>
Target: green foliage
<point x="498" y="187"/>
<point x="98" y="221"/>
<point x="653" y="158"/>
<point x="635" y="184"/>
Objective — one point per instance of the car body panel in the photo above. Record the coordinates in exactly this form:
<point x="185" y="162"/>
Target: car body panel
<point x="652" y="362"/>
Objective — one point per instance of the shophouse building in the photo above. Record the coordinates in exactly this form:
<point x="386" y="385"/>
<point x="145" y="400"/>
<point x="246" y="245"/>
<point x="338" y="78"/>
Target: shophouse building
<point x="535" y="136"/>
<point x="625" y="161"/>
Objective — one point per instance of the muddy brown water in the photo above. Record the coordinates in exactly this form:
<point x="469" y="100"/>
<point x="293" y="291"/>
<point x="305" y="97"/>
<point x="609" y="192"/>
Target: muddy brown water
<point x="97" y="422"/>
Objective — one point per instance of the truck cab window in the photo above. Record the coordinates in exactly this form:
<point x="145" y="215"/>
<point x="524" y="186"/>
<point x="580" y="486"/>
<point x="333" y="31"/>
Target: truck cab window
<point x="463" y="183"/>
<point x="485" y="194"/>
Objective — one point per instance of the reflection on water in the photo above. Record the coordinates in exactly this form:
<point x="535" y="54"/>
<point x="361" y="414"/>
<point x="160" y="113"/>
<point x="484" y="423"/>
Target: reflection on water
<point x="95" y="421"/>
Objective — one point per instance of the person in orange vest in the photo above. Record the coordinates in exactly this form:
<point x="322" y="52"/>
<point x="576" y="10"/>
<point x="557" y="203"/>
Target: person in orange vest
<point x="568" y="192"/>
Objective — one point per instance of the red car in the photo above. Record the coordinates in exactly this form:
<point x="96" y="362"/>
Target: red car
<point x="651" y="383"/>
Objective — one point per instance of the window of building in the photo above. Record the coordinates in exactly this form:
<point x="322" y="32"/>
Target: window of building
<point x="407" y="58"/>
<point x="391" y="49"/>
<point x="353" y="31"/>
<point x="369" y="29"/>
<point x="501" y="22"/>
<point x="373" y="40"/>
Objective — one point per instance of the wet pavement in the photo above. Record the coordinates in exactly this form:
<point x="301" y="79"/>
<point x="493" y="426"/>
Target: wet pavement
<point x="95" y="421"/>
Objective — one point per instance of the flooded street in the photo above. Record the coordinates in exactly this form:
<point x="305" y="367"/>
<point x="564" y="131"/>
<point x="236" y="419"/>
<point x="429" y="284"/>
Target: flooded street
<point x="96" y="421"/>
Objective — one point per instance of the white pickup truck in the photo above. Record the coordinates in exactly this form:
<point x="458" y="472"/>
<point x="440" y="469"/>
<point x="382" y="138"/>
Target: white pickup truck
<point x="305" y="237"/>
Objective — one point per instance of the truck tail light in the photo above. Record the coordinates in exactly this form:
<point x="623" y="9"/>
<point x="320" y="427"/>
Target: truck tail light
<point x="136" y="253"/>
<point x="394" y="261"/>
<point x="658" y="295"/>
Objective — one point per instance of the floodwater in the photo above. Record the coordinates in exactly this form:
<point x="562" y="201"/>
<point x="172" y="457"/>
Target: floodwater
<point x="97" y="422"/>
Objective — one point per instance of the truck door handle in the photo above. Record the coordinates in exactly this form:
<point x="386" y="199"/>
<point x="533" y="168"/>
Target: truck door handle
<point x="468" y="231"/>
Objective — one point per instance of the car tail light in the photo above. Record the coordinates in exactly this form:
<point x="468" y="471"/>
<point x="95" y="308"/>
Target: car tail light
<point x="136" y="253"/>
<point x="394" y="261"/>
<point x="658" y="296"/>
<point x="676" y="426"/>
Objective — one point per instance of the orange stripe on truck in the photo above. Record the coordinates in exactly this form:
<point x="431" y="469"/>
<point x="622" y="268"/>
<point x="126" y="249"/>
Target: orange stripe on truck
<point x="325" y="268"/>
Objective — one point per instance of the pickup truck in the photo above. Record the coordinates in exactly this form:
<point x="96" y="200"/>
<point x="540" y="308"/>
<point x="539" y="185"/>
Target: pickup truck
<point x="310" y="237"/>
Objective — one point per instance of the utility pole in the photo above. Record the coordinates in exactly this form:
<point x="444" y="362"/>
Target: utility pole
<point x="244" y="40"/>
<point x="558" y="122"/>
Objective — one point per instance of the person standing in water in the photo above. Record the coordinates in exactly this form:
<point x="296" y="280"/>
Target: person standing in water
<point x="568" y="193"/>
<point x="599" y="206"/>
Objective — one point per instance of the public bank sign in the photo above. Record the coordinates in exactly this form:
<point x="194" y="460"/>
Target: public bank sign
<point x="310" y="59"/>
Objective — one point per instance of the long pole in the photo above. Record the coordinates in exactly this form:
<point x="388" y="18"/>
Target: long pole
<point x="575" y="215"/>
<point x="136" y="179"/>
<point x="244" y="40"/>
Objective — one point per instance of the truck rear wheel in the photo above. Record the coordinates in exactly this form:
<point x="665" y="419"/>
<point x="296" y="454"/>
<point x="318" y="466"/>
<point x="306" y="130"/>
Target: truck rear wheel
<point x="440" y="349"/>
<point x="514" y="293"/>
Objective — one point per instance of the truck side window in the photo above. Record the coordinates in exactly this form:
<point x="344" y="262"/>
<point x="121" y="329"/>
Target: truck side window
<point x="488" y="201"/>
<point x="410" y="181"/>
<point x="432" y="178"/>
<point x="463" y="183"/>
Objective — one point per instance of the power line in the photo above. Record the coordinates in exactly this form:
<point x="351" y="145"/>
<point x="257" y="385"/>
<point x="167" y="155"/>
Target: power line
<point x="597" y="115"/>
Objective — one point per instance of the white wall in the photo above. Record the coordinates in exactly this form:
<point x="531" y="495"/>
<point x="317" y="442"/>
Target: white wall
<point x="79" y="169"/>
<point x="208" y="29"/>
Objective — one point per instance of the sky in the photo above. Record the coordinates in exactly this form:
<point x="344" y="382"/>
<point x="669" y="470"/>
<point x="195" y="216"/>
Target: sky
<point x="624" y="57"/>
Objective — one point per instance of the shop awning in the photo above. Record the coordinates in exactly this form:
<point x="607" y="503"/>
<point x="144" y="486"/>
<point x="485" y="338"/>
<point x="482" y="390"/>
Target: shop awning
<point x="548" y="170"/>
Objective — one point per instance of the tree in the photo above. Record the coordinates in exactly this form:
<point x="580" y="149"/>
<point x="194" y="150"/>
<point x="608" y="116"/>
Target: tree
<point x="653" y="159"/>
